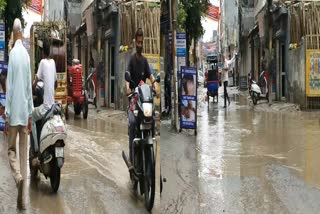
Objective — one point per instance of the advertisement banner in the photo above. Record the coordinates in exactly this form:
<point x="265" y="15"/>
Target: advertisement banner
<point x="2" y="108"/>
<point x="3" y="74"/>
<point x="2" y="35"/>
<point x="2" y="55"/>
<point x="154" y="63"/>
<point x="188" y="98"/>
<point x="313" y="73"/>
<point x="181" y="47"/>
<point x="181" y="44"/>
<point x="3" y="67"/>
<point x="213" y="13"/>
<point x="2" y="42"/>
<point x="36" y="6"/>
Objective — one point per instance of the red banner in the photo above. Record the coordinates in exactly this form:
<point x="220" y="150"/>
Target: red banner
<point x="213" y="13"/>
<point x="36" y="6"/>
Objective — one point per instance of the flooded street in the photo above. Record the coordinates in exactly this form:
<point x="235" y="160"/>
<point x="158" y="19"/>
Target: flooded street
<point x="246" y="160"/>
<point x="179" y="167"/>
<point x="94" y="177"/>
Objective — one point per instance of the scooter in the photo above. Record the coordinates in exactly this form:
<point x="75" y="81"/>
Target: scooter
<point x="48" y="156"/>
<point x="142" y="167"/>
<point x="255" y="89"/>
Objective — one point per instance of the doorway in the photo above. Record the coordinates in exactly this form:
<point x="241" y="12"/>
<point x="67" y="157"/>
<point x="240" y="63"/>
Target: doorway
<point x="282" y="72"/>
<point x="112" y="77"/>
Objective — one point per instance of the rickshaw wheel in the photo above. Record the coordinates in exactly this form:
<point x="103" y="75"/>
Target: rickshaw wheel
<point x="95" y="102"/>
<point x="85" y="106"/>
<point x="77" y="109"/>
<point x="66" y="112"/>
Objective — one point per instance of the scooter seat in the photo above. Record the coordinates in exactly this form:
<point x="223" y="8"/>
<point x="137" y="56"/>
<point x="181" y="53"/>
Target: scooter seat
<point x="55" y="110"/>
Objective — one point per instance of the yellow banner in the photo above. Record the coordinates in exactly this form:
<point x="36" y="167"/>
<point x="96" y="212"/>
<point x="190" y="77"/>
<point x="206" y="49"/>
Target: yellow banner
<point x="313" y="73"/>
<point x="154" y="63"/>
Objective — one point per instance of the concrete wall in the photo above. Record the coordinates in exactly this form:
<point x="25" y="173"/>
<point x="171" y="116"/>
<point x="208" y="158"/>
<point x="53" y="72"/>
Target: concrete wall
<point x="119" y="71"/>
<point x="122" y="101"/>
<point x="85" y="4"/>
<point x="74" y="16"/>
<point x="245" y="60"/>
<point x="296" y="88"/>
<point x="247" y="22"/>
<point x="54" y="10"/>
<point x="229" y="23"/>
<point x="258" y="5"/>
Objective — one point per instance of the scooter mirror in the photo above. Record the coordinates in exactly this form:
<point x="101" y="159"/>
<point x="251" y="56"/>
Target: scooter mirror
<point x="128" y="76"/>
<point x="157" y="79"/>
<point x="40" y="84"/>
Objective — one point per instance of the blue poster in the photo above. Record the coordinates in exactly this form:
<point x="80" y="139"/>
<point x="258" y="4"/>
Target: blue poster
<point x="3" y="71"/>
<point x="181" y="45"/>
<point x="2" y="107"/>
<point x="188" y="98"/>
<point x="3" y="68"/>
<point x="2" y="27"/>
<point x="2" y="42"/>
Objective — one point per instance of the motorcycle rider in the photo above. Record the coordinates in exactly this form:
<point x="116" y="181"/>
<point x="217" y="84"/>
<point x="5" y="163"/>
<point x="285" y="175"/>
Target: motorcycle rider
<point x="46" y="73"/>
<point x="139" y="70"/>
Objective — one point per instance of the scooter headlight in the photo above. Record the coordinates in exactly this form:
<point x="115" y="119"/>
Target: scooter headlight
<point x="147" y="109"/>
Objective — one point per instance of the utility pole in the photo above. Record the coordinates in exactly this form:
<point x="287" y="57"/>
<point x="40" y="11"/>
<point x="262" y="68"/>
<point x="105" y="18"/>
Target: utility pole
<point x="174" y="26"/>
<point x="173" y="22"/>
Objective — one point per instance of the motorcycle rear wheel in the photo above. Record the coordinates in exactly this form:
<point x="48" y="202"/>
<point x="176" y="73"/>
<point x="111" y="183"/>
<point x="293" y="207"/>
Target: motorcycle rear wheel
<point x="254" y="99"/>
<point x="55" y="176"/>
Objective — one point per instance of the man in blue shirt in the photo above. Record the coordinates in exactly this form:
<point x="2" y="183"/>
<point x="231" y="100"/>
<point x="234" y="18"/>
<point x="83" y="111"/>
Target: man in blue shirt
<point x="19" y="107"/>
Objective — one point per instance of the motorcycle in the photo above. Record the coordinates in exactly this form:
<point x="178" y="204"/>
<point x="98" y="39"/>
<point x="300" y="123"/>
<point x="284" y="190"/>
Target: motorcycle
<point x="51" y="135"/>
<point x="142" y="168"/>
<point x="255" y="89"/>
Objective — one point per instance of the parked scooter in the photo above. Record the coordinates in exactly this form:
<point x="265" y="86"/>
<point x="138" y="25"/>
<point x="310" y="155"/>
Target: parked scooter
<point x="142" y="170"/>
<point x="51" y="135"/>
<point x="255" y="89"/>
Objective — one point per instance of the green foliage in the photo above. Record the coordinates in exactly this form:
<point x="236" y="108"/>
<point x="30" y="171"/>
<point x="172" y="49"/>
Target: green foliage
<point x="12" y="11"/>
<point x="3" y="4"/>
<point x="189" y="18"/>
<point x="181" y="17"/>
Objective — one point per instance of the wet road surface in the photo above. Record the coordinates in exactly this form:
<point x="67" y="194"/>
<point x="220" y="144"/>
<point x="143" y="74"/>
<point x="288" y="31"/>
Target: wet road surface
<point x="247" y="161"/>
<point x="94" y="177"/>
<point x="179" y="167"/>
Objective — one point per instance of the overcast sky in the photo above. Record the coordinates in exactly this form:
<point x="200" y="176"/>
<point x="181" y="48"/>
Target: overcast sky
<point x="209" y="25"/>
<point x="30" y="17"/>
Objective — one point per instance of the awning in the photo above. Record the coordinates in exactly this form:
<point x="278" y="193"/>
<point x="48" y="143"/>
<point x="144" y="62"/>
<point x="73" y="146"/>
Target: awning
<point x="109" y="10"/>
<point x="253" y="30"/>
<point x="81" y="29"/>
<point x="279" y="12"/>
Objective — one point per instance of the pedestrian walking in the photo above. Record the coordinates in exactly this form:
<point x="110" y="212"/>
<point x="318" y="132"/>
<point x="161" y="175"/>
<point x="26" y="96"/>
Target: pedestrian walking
<point x="100" y="78"/>
<point x="226" y="70"/>
<point x="18" y="112"/>
<point x="97" y="62"/>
